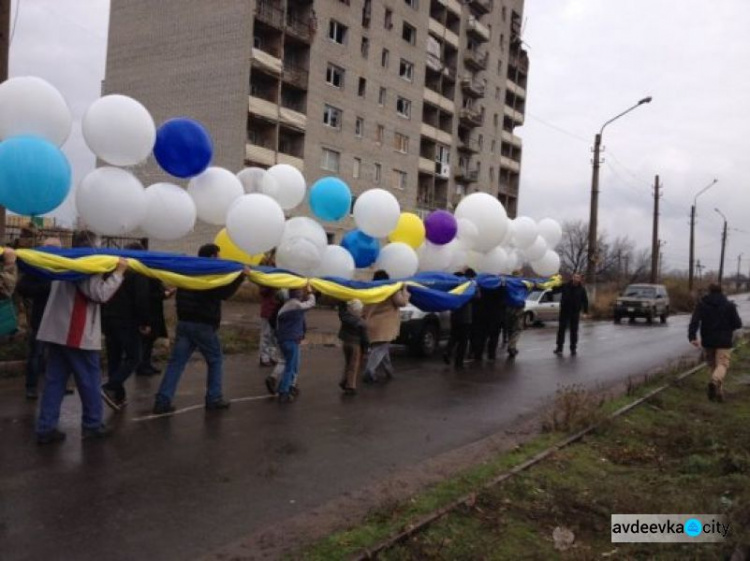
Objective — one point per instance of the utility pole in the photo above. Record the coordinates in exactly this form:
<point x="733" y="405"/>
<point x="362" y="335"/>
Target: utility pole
<point x="4" y="63"/>
<point x="594" y="213"/>
<point x="692" y="232"/>
<point x="655" y="234"/>
<point x="739" y="264"/>
<point x="723" y="246"/>
<point x="699" y="268"/>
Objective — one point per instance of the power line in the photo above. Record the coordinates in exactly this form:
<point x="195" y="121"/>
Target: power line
<point x="558" y="129"/>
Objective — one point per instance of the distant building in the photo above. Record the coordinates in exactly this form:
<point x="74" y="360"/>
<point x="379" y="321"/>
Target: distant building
<point x="420" y="97"/>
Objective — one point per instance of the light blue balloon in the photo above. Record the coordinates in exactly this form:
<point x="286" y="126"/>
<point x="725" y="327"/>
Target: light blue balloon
<point x="35" y="175"/>
<point x="364" y="249"/>
<point x="330" y="199"/>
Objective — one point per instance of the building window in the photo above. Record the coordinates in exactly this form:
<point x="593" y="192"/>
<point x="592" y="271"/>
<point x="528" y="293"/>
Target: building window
<point x="492" y="174"/>
<point x="399" y="179"/>
<point x="502" y="40"/>
<point x="381" y="96"/>
<point x="337" y="32"/>
<point x="505" y="13"/>
<point x="409" y="34"/>
<point x="380" y="134"/>
<point x="401" y="143"/>
<point x="364" y="47"/>
<point x="406" y="70"/>
<point x="329" y="160"/>
<point x="495" y="120"/>
<point x="362" y="88"/>
<point x="359" y="127"/>
<point x="332" y="116"/>
<point x="257" y="42"/>
<point x="356" y="168"/>
<point x="403" y="107"/>
<point x="335" y="76"/>
<point x="497" y="93"/>
<point x="480" y="141"/>
<point x="385" y="58"/>
<point x="388" y="22"/>
<point x="493" y="145"/>
<point x="499" y="67"/>
<point x="412" y="4"/>
<point x="378" y="172"/>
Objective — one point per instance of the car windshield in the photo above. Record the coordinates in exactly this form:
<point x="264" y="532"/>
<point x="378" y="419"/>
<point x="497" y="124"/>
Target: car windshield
<point x="535" y="295"/>
<point x="640" y="292"/>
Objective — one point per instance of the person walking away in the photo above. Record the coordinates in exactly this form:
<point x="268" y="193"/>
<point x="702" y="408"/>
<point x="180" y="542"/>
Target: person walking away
<point x="516" y="292"/>
<point x="125" y="319"/>
<point x="573" y="300"/>
<point x="198" y="321"/>
<point x="493" y="302"/>
<point x="290" y="330"/>
<point x="353" y="336"/>
<point x="71" y="329"/>
<point x="35" y="289"/>
<point x="461" y="330"/>
<point x="383" y="325"/>
<point x="157" y="293"/>
<point x="717" y="319"/>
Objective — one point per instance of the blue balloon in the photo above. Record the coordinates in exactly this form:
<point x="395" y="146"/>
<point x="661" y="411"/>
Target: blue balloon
<point x="183" y="147"/>
<point x="364" y="249"/>
<point x="35" y="175"/>
<point x="330" y="199"/>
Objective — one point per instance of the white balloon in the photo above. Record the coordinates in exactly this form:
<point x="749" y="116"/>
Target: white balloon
<point x="111" y="201"/>
<point x="255" y="223"/>
<point x="467" y="233"/>
<point x="434" y="257"/>
<point x="459" y="255"/>
<point x="307" y="228"/>
<point x="285" y="184"/>
<point x="536" y="250"/>
<point x="551" y="231"/>
<point x="32" y="106"/>
<point x="170" y="213"/>
<point x="252" y="179"/>
<point x="214" y="191"/>
<point x="474" y="259"/>
<point x="119" y="130"/>
<point x="298" y="255"/>
<point x="336" y="262"/>
<point x="525" y="231"/>
<point x="488" y="215"/>
<point x="493" y="261"/>
<point x="508" y="237"/>
<point x="547" y="265"/>
<point x="398" y="259"/>
<point x="376" y="212"/>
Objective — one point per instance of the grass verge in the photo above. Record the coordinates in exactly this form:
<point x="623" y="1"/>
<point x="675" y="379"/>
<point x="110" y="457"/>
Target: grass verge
<point x="677" y="453"/>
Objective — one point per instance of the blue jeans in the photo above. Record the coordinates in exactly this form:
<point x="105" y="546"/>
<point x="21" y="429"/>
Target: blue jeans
<point x="290" y="350"/>
<point x="189" y="337"/>
<point x="85" y="368"/>
<point x="123" y="343"/>
<point x="34" y="361"/>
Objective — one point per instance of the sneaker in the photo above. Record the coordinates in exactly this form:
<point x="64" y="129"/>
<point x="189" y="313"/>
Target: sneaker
<point x="50" y="436"/>
<point x="446" y="358"/>
<point x="102" y="431"/>
<point x="271" y="385"/>
<point x="32" y="394"/>
<point x="711" y="391"/>
<point x="512" y="353"/>
<point x="218" y="405"/>
<point x="350" y="391"/>
<point x="286" y="398"/>
<point x="558" y="351"/>
<point x="573" y="352"/>
<point x="294" y="391"/>
<point x="163" y="408"/>
<point x="112" y="400"/>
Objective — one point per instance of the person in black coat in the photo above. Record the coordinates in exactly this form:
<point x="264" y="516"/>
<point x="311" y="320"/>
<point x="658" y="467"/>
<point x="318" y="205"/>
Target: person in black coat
<point x="157" y="293"/>
<point x="717" y="319"/>
<point x="461" y="328"/>
<point x="574" y="301"/>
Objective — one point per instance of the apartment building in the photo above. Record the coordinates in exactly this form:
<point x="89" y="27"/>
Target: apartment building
<point x="420" y="97"/>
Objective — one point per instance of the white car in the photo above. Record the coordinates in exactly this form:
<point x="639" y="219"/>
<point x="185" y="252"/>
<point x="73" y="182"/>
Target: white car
<point x="541" y="306"/>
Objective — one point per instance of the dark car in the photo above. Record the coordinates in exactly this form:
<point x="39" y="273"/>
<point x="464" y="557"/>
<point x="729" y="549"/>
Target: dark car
<point x="647" y="301"/>
<point x="422" y="331"/>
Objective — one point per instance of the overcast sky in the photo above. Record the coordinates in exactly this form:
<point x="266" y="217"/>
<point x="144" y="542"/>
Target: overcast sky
<point x="590" y="60"/>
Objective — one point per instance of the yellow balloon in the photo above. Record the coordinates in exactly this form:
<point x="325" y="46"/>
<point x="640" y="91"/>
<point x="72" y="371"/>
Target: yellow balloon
<point x="232" y="252"/>
<point x="410" y="230"/>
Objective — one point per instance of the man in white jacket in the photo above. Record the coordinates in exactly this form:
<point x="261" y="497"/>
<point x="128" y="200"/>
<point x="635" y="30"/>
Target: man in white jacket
<point x="71" y="327"/>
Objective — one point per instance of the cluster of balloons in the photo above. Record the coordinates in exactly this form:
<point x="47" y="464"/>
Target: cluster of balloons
<point x="35" y="178"/>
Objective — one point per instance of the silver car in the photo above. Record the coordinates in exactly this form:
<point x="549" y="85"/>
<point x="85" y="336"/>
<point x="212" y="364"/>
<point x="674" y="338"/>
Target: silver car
<point x="541" y="306"/>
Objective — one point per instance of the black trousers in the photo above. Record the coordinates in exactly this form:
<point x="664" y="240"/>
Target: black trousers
<point x="568" y="320"/>
<point x="458" y="342"/>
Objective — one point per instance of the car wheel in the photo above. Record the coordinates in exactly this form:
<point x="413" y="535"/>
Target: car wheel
<point x="528" y="320"/>
<point x="650" y="317"/>
<point x="427" y="344"/>
<point x="664" y="316"/>
<point x="618" y="319"/>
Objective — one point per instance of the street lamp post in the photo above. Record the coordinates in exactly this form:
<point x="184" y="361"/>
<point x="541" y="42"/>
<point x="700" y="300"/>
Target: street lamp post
<point x="723" y="245"/>
<point x="592" y="249"/>
<point x="692" y="232"/>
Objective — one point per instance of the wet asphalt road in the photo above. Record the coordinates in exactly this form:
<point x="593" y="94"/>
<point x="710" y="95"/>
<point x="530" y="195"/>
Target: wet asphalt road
<point x="180" y="487"/>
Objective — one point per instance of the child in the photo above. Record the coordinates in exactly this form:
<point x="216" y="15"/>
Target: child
<point x="290" y="330"/>
<point x="353" y="335"/>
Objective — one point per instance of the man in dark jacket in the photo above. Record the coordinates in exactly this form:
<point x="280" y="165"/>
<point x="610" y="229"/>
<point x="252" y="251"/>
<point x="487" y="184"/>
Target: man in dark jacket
<point x="198" y="320"/>
<point x="157" y="293"/>
<point x="574" y="300"/>
<point x="461" y="328"/>
<point x="717" y="319"/>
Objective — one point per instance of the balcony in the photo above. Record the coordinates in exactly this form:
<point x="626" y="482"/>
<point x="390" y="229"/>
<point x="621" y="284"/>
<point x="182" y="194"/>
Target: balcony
<point x="453" y="5"/>
<point x="426" y="165"/>
<point x="511" y="139"/>
<point x="483" y="6"/>
<point x="476" y="59"/>
<point x="265" y="61"/>
<point x="466" y="175"/>
<point x="477" y="30"/>
<point x="510" y="164"/>
<point x="468" y="145"/>
<point x="438" y="100"/>
<point x="515" y="89"/>
<point x="299" y="27"/>
<point x="472" y="87"/>
<point x="440" y="32"/>
<point x="471" y="117"/>
<point x="265" y="155"/>
<point x="296" y="76"/>
<point x="436" y="134"/>
<point x="269" y="13"/>
<point x="272" y="112"/>
<point x="516" y="116"/>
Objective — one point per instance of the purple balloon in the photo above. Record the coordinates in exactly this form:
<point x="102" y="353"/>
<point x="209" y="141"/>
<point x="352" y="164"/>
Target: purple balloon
<point x="441" y="227"/>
